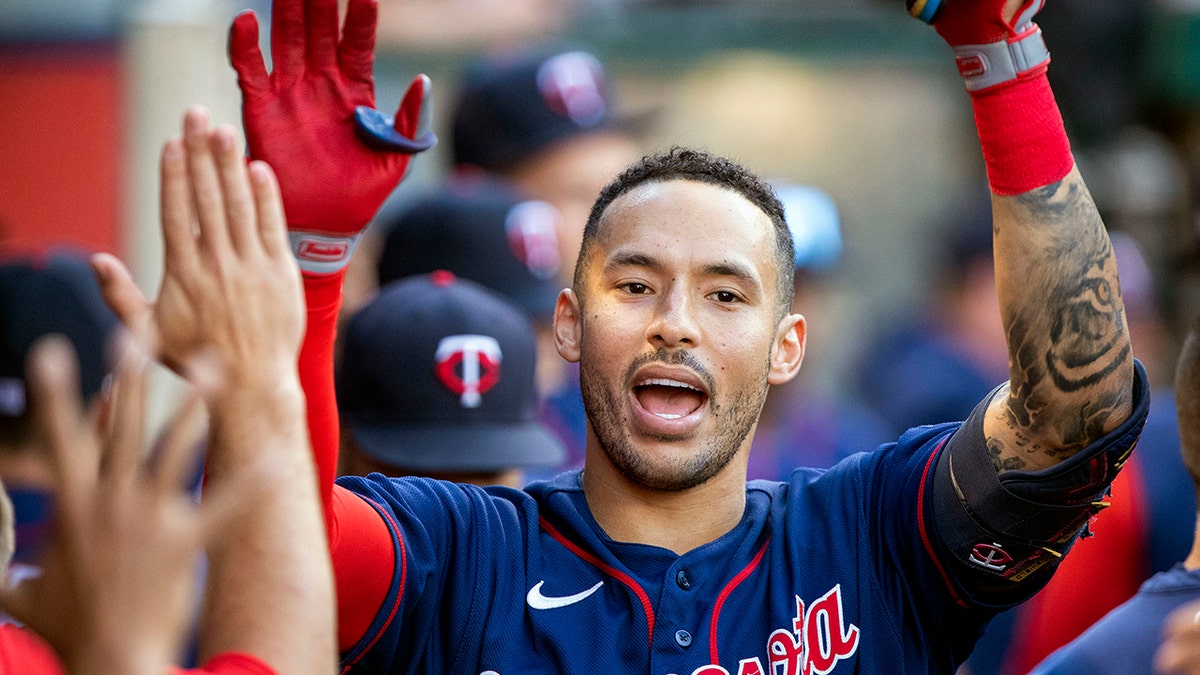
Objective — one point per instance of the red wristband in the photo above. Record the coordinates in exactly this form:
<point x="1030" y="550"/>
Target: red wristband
<point x="1021" y="132"/>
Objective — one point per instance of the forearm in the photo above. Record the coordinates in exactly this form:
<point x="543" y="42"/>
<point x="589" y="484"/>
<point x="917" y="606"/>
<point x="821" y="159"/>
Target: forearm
<point x="1070" y="360"/>
<point x="273" y="560"/>
<point x="363" y="557"/>
<point x="323" y="298"/>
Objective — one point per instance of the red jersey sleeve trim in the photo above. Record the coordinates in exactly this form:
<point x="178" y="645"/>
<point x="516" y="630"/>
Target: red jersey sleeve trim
<point x="230" y="663"/>
<point x="937" y="563"/>
<point x="384" y="519"/>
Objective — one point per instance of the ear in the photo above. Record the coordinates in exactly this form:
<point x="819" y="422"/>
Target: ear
<point x="788" y="351"/>
<point x="568" y="325"/>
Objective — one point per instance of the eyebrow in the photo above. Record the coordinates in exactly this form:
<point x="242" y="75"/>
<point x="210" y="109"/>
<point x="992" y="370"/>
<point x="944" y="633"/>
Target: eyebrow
<point x="729" y="269"/>
<point x="632" y="259"/>
<point x="722" y="269"/>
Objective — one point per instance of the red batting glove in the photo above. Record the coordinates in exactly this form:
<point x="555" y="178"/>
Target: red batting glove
<point x="334" y="173"/>
<point x="990" y="51"/>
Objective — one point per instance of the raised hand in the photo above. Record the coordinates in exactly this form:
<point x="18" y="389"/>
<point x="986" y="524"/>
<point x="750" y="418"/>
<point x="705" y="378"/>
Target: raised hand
<point x="334" y="171"/>
<point x="230" y="286"/>
<point x="118" y="579"/>
<point x="995" y="41"/>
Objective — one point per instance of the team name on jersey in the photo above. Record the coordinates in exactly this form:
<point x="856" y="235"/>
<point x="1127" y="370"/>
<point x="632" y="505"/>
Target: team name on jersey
<point x="818" y="638"/>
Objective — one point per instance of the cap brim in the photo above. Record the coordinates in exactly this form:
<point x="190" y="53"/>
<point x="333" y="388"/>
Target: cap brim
<point x="455" y="448"/>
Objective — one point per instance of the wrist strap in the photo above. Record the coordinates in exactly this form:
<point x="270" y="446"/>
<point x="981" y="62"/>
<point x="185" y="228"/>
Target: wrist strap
<point x="1021" y="133"/>
<point x="322" y="254"/>
<point x="990" y="65"/>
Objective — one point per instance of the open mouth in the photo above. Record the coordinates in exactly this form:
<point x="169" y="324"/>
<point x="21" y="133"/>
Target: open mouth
<point x="667" y="398"/>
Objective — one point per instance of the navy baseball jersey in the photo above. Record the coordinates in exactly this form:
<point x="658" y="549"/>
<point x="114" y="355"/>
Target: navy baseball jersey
<point x="1125" y="640"/>
<point x="835" y="570"/>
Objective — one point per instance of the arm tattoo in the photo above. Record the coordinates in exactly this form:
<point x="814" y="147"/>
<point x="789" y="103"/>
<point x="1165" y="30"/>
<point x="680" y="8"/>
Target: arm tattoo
<point x="1066" y="331"/>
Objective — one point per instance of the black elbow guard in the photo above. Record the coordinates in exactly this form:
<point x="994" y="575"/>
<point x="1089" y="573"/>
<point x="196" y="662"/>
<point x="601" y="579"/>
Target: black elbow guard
<point x="1003" y="534"/>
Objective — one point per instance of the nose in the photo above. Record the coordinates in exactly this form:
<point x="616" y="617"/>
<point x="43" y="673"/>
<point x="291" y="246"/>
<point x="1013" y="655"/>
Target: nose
<point x="674" y="323"/>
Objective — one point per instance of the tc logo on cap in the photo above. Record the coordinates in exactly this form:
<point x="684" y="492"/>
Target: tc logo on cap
<point x="572" y="84"/>
<point x="479" y="357"/>
<point x="532" y="231"/>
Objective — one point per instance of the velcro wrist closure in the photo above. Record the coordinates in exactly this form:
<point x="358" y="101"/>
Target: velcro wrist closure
<point x="985" y="66"/>
<point x="322" y="254"/>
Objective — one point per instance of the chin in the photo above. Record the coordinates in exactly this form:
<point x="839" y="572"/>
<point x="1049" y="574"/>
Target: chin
<point x="666" y="468"/>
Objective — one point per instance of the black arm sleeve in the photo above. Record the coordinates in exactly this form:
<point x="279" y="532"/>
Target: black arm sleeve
<point x="1003" y="534"/>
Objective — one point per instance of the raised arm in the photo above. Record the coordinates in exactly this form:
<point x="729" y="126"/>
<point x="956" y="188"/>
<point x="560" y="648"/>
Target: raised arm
<point x="229" y="315"/>
<point x="312" y="119"/>
<point x="1070" y="365"/>
<point x="1070" y="361"/>
<point x="1019" y="481"/>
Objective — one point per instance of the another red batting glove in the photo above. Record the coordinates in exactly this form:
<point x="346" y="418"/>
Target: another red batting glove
<point x="990" y="51"/>
<point x="313" y="120"/>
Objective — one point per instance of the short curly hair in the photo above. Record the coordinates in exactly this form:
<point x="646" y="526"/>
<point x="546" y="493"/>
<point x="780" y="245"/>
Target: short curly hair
<point x="679" y="163"/>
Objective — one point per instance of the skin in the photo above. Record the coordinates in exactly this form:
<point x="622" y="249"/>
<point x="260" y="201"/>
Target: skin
<point x="680" y="285"/>
<point x="102" y="601"/>
<point x="1070" y="360"/>
<point x="230" y="317"/>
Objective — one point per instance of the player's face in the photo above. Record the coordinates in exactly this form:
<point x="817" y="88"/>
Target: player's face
<point x="677" y="333"/>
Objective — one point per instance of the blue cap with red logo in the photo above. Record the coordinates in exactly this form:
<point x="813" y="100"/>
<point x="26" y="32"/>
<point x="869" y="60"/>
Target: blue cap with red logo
<point x="438" y="375"/>
<point x="482" y="230"/>
<point x="512" y="105"/>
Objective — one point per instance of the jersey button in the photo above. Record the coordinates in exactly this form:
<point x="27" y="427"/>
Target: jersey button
<point x="683" y="638"/>
<point x="681" y="578"/>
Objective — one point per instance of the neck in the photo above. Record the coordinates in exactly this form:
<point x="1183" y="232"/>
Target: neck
<point x="678" y="520"/>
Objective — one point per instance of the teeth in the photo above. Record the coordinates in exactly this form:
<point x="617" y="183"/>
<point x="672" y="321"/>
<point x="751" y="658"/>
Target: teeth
<point x="662" y="382"/>
<point x="668" y="416"/>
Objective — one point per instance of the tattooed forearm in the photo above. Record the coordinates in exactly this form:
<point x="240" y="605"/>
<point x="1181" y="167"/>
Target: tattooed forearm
<point x="1019" y="450"/>
<point x="1068" y="344"/>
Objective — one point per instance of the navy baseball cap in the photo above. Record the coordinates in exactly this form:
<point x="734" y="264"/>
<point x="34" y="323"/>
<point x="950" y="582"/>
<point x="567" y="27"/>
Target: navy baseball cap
<point x="43" y="296"/>
<point x="512" y="105"/>
<point x="481" y="230"/>
<point x="437" y="374"/>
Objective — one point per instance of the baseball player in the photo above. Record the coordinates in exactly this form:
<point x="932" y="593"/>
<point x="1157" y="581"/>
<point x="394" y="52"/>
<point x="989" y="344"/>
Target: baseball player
<point x="658" y="556"/>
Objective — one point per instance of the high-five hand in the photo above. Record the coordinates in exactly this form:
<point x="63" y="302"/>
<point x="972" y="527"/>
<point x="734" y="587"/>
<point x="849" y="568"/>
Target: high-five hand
<point x="301" y="119"/>
<point x="231" y="291"/>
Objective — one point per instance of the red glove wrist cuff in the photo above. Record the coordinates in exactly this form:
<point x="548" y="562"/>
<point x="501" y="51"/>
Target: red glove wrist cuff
<point x="1021" y="132"/>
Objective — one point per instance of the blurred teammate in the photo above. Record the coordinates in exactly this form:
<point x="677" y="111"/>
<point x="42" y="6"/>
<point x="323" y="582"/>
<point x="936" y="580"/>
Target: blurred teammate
<point x="808" y="421"/>
<point x="481" y="229"/>
<point x="544" y="121"/>
<point x="40" y="296"/>
<point x="437" y="379"/>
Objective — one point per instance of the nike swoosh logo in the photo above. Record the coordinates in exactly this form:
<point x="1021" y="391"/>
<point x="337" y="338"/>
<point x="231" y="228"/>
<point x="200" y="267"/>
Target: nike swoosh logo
<point x="538" y="601"/>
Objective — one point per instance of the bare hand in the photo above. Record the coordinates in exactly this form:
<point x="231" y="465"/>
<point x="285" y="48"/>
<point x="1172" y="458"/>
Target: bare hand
<point x="230" y="286"/>
<point x="118" y="576"/>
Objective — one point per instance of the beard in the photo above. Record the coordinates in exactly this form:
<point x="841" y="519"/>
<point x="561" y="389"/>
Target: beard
<point x="736" y="418"/>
